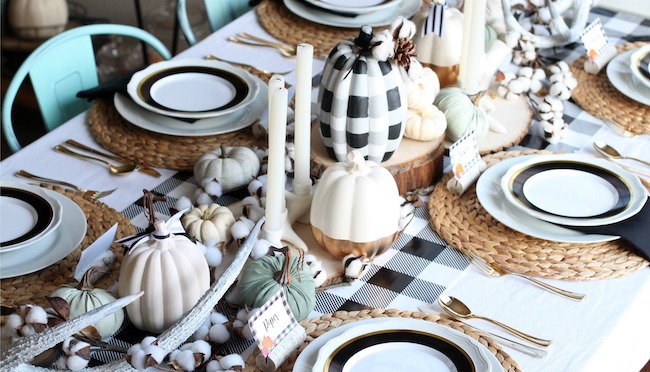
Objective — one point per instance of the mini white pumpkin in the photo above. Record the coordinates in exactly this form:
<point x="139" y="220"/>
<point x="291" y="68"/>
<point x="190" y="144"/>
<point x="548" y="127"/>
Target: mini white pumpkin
<point x="422" y="91"/>
<point x="209" y="222"/>
<point x="172" y="272"/>
<point x="440" y="51"/>
<point x="232" y="167"/>
<point x="426" y="124"/>
<point x="356" y="208"/>
<point x="83" y="298"/>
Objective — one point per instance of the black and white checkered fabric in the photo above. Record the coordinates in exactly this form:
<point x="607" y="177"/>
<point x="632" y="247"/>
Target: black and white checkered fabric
<point x="420" y="265"/>
<point x="362" y="105"/>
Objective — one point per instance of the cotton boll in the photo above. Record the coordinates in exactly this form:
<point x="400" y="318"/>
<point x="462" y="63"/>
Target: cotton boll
<point x="219" y="333"/>
<point x="213" y="188"/>
<point x="185" y="360"/>
<point x="183" y="203"/>
<point x="76" y="363"/>
<point x="260" y="249"/>
<point x="320" y="277"/>
<point x="241" y="228"/>
<point x="218" y="318"/>
<point x="138" y="359"/>
<point x="512" y="38"/>
<point x="27" y="330"/>
<point x="231" y="361"/>
<point x="384" y="46"/>
<point x="36" y="315"/>
<point x="213" y="366"/>
<point x="354" y="266"/>
<point x="255" y="187"/>
<point x="204" y="199"/>
<point x="12" y="323"/>
<point x="571" y="82"/>
<point x="309" y="259"/>
<point x="213" y="256"/>
<point x="155" y="351"/>
<point x="407" y="29"/>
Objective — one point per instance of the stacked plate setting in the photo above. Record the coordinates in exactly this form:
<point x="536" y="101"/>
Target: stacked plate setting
<point x="629" y="73"/>
<point x="191" y="97"/>
<point x="545" y="195"/>
<point x="353" y="13"/>
<point x="392" y="344"/>
<point x="39" y="228"/>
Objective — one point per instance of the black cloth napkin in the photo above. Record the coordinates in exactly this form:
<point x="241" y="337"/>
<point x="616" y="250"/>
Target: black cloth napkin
<point x="108" y="88"/>
<point x="635" y="230"/>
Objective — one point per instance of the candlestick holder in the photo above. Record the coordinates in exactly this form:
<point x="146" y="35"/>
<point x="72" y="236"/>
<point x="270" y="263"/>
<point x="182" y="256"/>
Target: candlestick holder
<point x="299" y="202"/>
<point x="284" y="234"/>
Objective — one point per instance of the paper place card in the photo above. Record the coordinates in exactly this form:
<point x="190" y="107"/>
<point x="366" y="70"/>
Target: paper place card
<point x="92" y="254"/>
<point x="594" y="39"/>
<point x="466" y="163"/>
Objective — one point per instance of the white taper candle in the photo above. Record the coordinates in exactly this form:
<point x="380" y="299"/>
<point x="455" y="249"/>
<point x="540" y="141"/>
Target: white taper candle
<point x="275" y="199"/>
<point x="302" y="135"/>
<point x="473" y="48"/>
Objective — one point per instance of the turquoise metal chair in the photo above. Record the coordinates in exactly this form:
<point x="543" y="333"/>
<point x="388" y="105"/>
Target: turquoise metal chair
<point x="59" y="68"/>
<point x="219" y="13"/>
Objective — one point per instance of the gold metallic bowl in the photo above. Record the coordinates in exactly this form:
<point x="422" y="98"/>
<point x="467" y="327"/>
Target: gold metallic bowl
<point x="341" y="248"/>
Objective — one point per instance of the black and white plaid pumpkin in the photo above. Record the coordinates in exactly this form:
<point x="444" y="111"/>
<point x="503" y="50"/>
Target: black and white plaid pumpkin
<point x="362" y="101"/>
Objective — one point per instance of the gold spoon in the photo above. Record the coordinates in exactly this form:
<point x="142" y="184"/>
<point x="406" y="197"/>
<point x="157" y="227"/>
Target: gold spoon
<point x="611" y="153"/>
<point x="115" y="169"/>
<point x="457" y="308"/>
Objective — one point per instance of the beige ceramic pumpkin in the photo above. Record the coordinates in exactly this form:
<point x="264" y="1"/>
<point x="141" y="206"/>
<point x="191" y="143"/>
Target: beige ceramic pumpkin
<point x="422" y="91"/>
<point x="37" y="19"/>
<point x="232" y="167"/>
<point x="426" y="124"/>
<point x="356" y="208"/>
<point x="209" y="222"/>
<point x="172" y="272"/>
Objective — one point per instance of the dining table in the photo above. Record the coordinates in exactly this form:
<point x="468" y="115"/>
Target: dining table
<point x="607" y="331"/>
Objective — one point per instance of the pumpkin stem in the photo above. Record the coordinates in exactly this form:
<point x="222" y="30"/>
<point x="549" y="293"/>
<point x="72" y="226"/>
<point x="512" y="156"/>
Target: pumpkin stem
<point x="85" y="283"/>
<point x="223" y="151"/>
<point x="356" y="161"/>
<point x="477" y="97"/>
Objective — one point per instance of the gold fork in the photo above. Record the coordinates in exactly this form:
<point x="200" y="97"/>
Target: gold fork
<point x="93" y="194"/>
<point x="496" y="271"/>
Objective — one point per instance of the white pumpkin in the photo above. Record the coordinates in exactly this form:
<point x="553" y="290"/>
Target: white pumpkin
<point x="440" y="51"/>
<point x="426" y="124"/>
<point x="172" y="272"/>
<point x="209" y="222"/>
<point x="37" y="19"/>
<point x="232" y="167"/>
<point x="356" y="208"/>
<point x="83" y="298"/>
<point x="422" y="91"/>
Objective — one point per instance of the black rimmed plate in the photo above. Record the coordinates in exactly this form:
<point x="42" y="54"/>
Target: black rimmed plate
<point x="355" y="6"/>
<point x="192" y="89"/>
<point x="403" y="344"/>
<point x="573" y="190"/>
<point x="25" y="215"/>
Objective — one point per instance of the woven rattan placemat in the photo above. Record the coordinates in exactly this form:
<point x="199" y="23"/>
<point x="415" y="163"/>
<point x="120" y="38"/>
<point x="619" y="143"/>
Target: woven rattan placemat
<point x="318" y="326"/>
<point x="463" y="223"/>
<point x="116" y="134"/>
<point x="285" y="26"/>
<point x="596" y="95"/>
<point x="32" y="288"/>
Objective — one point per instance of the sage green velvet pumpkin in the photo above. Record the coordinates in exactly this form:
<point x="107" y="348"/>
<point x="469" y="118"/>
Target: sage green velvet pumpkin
<point x="257" y="284"/>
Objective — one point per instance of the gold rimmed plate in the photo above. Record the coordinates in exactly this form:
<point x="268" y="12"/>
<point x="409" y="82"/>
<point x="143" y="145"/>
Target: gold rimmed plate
<point x="192" y="89"/>
<point x="403" y="344"/>
<point x="573" y="190"/>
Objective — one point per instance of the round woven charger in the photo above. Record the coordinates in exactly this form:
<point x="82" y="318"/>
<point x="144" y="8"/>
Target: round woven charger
<point x="32" y="288"/>
<point x="116" y="134"/>
<point x="285" y="26"/>
<point x="317" y="326"/>
<point x="596" y="95"/>
<point x="463" y="223"/>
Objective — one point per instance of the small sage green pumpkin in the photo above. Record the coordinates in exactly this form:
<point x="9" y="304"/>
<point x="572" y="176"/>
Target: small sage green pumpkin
<point x="258" y="283"/>
<point x="83" y="298"/>
<point x="461" y="114"/>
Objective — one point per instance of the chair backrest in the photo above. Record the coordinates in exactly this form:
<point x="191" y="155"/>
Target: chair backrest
<point x="219" y="13"/>
<point x="59" y="68"/>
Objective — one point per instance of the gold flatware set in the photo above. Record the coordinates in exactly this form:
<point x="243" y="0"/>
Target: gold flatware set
<point x="93" y="193"/>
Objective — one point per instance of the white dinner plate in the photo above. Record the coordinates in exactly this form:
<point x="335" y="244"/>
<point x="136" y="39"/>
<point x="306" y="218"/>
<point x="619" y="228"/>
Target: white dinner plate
<point x="488" y="191"/>
<point x="640" y="65"/>
<point x="619" y="73"/>
<point x="192" y="88"/>
<point x="29" y="217"/>
<point x="356" y="6"/>
<point x="573" y="190"/>
<point x="406" y="8"/>
<point x="69" y="235"/>
<point x="158" y="123"/>
<point x="400" y="344"/>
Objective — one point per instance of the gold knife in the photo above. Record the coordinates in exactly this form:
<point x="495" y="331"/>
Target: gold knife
<point x="143" y="168"/>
